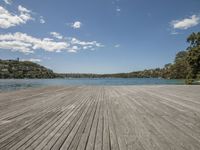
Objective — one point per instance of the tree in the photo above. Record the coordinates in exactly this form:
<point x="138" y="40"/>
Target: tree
<point x="193" y="57"/>
<point x="180" y="56"/>
<point x="181" y="66"/>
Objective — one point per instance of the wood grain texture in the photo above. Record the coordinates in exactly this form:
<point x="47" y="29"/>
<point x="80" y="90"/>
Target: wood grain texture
<point x="163" y="117"/>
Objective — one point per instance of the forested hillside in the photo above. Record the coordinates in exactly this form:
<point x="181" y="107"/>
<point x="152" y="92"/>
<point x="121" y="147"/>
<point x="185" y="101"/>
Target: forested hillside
<point x="186" y="65"/>
<point x="23" y="69"/>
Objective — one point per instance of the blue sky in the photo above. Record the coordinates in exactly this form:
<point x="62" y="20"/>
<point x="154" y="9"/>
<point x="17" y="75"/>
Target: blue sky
<point x="96" y="36"/>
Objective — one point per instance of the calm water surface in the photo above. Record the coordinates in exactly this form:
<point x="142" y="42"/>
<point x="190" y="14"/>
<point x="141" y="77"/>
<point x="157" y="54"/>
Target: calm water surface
<point x="15" y="84"/>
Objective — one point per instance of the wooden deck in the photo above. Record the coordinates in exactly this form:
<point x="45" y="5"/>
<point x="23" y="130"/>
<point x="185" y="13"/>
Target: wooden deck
<point x="101" y="118"/>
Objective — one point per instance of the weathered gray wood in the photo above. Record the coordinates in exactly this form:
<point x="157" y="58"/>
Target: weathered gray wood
<point x="66" y="144"/>
<point x="42" y="137"/>
<point x="101" y="117"/>
<point x="86" y="132"/>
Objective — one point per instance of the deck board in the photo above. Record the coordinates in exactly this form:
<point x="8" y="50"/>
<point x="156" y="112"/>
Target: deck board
<point x="101" y="117"/>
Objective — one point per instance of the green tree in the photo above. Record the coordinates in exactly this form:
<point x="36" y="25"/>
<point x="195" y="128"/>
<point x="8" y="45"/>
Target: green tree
<point x="180" y="56"/>
<point x="181" y="66"/>
<point x="193" y="57"/>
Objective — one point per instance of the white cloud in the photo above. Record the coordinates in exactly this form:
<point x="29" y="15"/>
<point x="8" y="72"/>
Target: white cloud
<point x="85" y="43"/>
<point x="32" y="60"/>
<point x="117" y="45"/>
<point x="27" y="44"/>
<point x="186" y="23"/>
<point x="8" y="19"/>
<point x="47" y="39"/>
<point x="117" y="6"/>
<point x="118" y="9"/>
<point x="56" y="35"/>
<point x="42" y="21"/>
<point x="9" y="2"/>
<point x="73" y="49"/>
<point x="174" y="33"/>
<point x="76" y="25"/>
<point x="16" y="45"/>
<point x="23" y="9"/>
<point x="35" y="60"/>
<point x="24" y="43"/>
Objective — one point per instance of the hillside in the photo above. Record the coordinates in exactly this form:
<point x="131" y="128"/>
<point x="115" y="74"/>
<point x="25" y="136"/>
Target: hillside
<point x="186" y="65"/>
<point x="23" y="69"/>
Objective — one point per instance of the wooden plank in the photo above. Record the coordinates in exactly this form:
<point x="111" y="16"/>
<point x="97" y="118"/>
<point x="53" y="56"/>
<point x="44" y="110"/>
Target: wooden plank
<point x="68" y="139"/>
<point x="86" y="132"/>
<point x="101" y="118"/>
<point x="92" y="136"/>
<point x="76" y="139"/>
<point x="99" y="133"/>
<point x="49" y="128"/>
<point x="70" y="126"/>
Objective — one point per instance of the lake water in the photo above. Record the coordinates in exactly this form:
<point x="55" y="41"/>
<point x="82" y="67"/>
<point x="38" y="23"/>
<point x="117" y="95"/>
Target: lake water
<point x="15" y="84"/>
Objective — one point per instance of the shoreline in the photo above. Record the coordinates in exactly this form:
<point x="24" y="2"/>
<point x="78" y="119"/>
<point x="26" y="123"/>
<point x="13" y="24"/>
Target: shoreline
<point x="15" y="84"/>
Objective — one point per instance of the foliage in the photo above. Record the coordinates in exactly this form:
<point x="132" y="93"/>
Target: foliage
<point x="186" y="65"/>
<point x="23" y="69"/>
<point x="194" y="55"/>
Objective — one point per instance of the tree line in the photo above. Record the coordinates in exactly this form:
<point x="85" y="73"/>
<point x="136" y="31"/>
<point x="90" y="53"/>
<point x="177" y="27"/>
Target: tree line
<point x="186" y="65"/>
<point x="23" y="69"/>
